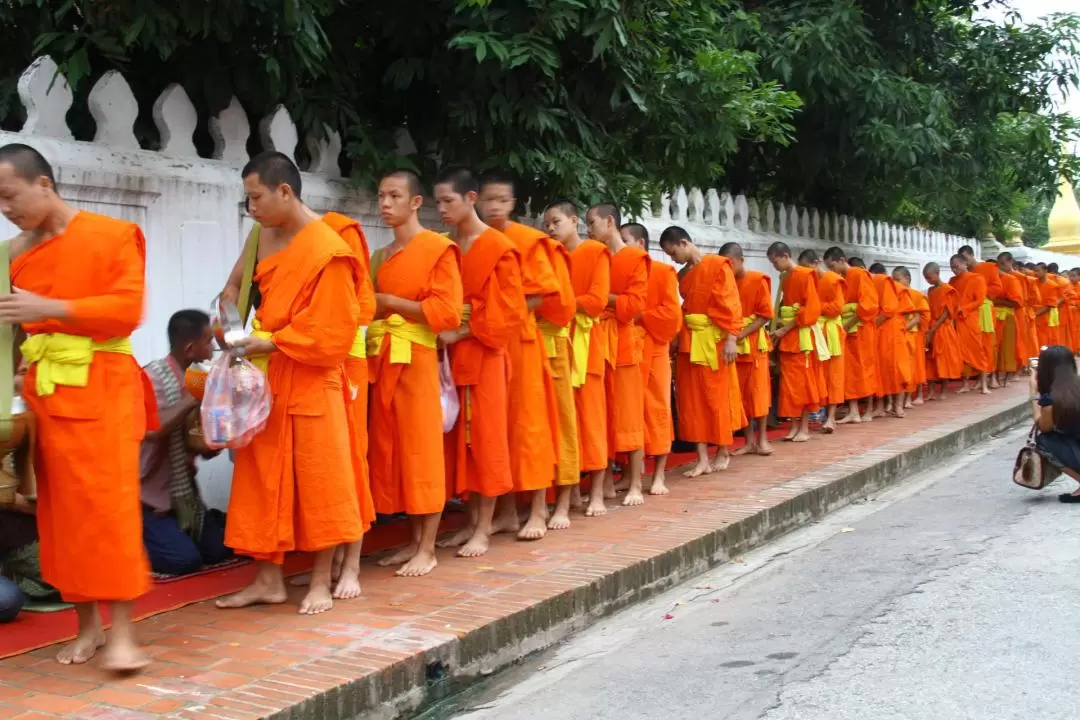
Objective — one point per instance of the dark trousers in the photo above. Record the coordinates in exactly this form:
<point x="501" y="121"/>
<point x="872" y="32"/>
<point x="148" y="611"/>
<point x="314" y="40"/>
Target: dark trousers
<point x="11" y="600"/>
<point x="174" y="552"/>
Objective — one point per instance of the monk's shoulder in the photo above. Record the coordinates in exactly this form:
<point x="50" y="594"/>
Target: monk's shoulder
<point x="592" y="249"/>
<point x="87" y="224"/>
<point x="495" y="241"/>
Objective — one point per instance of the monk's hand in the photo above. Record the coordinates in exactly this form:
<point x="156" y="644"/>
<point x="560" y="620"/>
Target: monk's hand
<point x="19" y="383"/>
<point x="449" y="337"/>
<point x="730" y="350"/>
<point x="26" y="307"/>
<point x="384" y="304"/>
<point x="251" y="346"/>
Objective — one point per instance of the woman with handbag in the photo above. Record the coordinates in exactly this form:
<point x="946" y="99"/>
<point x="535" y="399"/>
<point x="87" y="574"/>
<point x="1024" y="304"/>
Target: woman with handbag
<point x="1056" y="410"/>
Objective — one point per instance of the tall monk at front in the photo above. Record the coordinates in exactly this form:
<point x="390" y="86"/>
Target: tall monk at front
<point x="1048" y="316"/>
<point x="294" y="485"/>
<point x="971" y="323"/>
<point x="705" y="375"/>
<point x="830" y="288"/>
<point x="894" y="363"/>
<point x="77" y="291"/>
<point x="860" y="335"/>
<point x="590" y="275"/>
<point x="1008" y="326"/>
<point x="753" y="347"/>
<point x="991" y="274"/>
<point x="944" y="362"/>
<point x="478" y="448"/>
<point x="418" y="295"/>
<point x="662" y="320"/>
<point x="1024" y="313"/>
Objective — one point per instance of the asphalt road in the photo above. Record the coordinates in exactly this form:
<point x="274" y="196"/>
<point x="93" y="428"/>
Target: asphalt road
<point x="953" y="595"/>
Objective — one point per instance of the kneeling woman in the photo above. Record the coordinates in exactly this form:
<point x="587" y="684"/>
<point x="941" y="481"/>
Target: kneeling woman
<point x="1057" y="412"/>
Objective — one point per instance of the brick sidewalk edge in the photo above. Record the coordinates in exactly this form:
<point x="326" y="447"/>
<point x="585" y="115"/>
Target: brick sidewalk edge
<point x="411" y="684"/>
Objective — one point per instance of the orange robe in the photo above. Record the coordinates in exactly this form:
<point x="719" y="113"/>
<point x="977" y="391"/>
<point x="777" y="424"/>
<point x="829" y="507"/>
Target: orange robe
<point x="87" y="456"/>
<point x="534" y="429"/>
<point x="408" y="466"/>
<point x="294" y="486"/>
<point x="971" y="289"/>
<point x="990" y="272"/>
<point x="894" y="363"/>
<point x="626" y="350"/>
<point x="1025" y="320"/>
<point x="799" y="365"/>
<point x="860" y="345"/>
<point x="1049" y="330"/>
<point x="478" y="448"/>
<point x="704" y="395"/>
<point x="356" y="365"/>
<point x="906" y="313"/>
<point x="752" y="365"/>
<point x="555" y="315"/>
<point x="1065" y="309"/>
<point x="662" y="320"/>
<point x="590" y="275"/>
<point x="1007" y="325"/>
<point x="831" y="293"/>
<point x="917" y="338"/>
<point x="1033" y="302"/>
<point x="1072" y="292"/>
<point x="944" y="361"/>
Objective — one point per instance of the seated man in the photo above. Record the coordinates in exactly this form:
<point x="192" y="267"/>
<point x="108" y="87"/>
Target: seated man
<point x="180" y="533"/>
<point x="20" y="571"/>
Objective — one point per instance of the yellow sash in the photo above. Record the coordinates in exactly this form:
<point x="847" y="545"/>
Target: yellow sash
<point x="806" y="336"/>
<point x="831" y="328"/>
<point x="580" y="345"/>
<point x="1053" y="318"/>
<point x="1004" y="312"/>
<point x="743" y="346"/>
<point x="849" y="313"/>
<point x="260" y="361"/>
<point x="704" y="336"/>
<point x="550" y="331"/>
<point x="403" y="335"/>
<point x="358" y="351"/>
<point x="65" y="359"/>
<point x="986" y="316"/>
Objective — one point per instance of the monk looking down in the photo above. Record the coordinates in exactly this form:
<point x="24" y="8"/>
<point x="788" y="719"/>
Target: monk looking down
<point x="990" y="273"/>
<point x="894" y="364"/>
<point x="77" y="290"/>
<point x="478" y="448"/>
<point x="830" y="288"/>
<point x="971" y="323"/>
<point x="418" y="295"/>
<point x="860" y="338"/>
<point x="1009" y="323"/>
<point x="944" y="362"/>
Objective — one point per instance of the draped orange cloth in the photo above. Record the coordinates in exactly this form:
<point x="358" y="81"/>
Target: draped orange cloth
<point x="752" y="366"/>
<point x="1065" y="309"/>
<point x="478" y="448"/>
<point x="989" y="271"/>
<point x="906" y="313"/>
<point x="831" y="292"/>
<point x="944" y="361"/>
<point x="799" y="365"/>
<point x="1074" y="317"/>
<point x="1008" y="325"/>
<point x="534" y="415"/>
<point x="408" y="465"/>
<point x="1033" y="302"/>
<point x="662" y="320"/>
<point x="894" y="363"/>
<point x="294" y="486"/>
<point x="590" y="274"/>
<point x="971" y="290"/>
<point x="558" y="311"/>
<point x="1025" y="320"/>
<point x="626" y="350"/>
<point x="356" y="369"/>
<point x="861" y="346"/>
<point x="87" y="457"/>
<point x="917" y="339"/>
<point x="704" y="396"/>
<point x="1051" y="297"/>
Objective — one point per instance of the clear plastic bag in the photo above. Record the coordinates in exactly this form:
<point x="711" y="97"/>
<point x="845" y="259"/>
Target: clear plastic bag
<point x="236" y="402"/>
<point x="448" y="394"/>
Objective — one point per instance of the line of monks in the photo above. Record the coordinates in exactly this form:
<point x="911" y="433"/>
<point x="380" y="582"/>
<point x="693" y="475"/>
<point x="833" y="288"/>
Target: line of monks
<point x="559" y="349"/>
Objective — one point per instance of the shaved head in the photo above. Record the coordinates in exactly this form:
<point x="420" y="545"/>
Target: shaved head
<point x="274" y="170"/>
<point x="638" y="232"/>
<point x="808" y="257"/>
<point x="731" y="250"/>
<point x="28" y="163"/>
<point x="411" y="178"/>
<point x="566" y="207"/>
<point x="931" y="267"/>
<point x="606" y="210"/>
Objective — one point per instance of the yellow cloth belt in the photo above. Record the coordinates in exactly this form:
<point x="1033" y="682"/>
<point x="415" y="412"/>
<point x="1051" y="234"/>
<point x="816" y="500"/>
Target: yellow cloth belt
<point x="550" y="331"/>
<point x="1053" y="318"/>
<point x="986" y="316"/>
<point x="403" y="335"/>
<point x="806" y="335"/>
<point x="832" y="327"/>
<point x="260" y="361"/>
<point x="580" y="345"/>
<point x="65" y="359"/>
<point x="849" y="313"/>
<point x="704" y="335"/>
<point x="358" y="351"/>
<point x="743" y="346"/>
<point x="1004" y="312"/>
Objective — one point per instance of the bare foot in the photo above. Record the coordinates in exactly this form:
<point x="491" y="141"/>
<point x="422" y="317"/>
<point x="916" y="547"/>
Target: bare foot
<point x="828" y="428"/>
<point x="347" y="586"/>
<point x="848" y="419"/>
<point x="257" y="593"/>
<point x="801" y="437"/>
<point x="421" y="564"/>
<point x="596" y="505"/>
<point x="398" y="557"/>
<point x="506" y="522"/>
<point x="698" y="470"/>
<point x="622" y="486"/>
<point x="984" y="391"/>
<point x="302" y="580"/>
<point x="535" y="528"/>
<point x="877" y="413"/>
<point x="575" y="498"/>
<point x="634" y="497"/>
<point x="746" y="449"/>
<point x="964" y="389"/>
<point x="318" y="600"/>
<point x="790" y="436"/>
<point x="609" y="493"/>
<point x="457" y="539"/>
<point x="765" y="449"/>
<point x="82" y="648"/>
<point x="559" y="521"/>
<point x="477" y="546"/>
<point x="123" y="658"/>
<point x="720" y="462"/>
<point x="916" y="402"/>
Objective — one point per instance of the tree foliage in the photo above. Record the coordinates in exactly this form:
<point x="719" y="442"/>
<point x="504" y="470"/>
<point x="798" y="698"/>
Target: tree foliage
<point x="906" y="111"/>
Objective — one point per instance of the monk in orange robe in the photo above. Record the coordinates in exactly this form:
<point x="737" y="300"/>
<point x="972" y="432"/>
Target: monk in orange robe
<point x="626" y="348"/>
<point x="860" y="339"/>
<point x="799" y="341"/>
<point x="1008" y="314"/>
<point x="944" y="361"/>
<point x="77" y="276"/>
<point x="705" y="375"/>
<point x="989" y="272"/>
<point x="916" y="313"/>
<point x="1033" y="302"/>
<point x="478" y="448"/>
<point x="971" y="322"/>
<point x="1048" y="316"/>
<point x="534" y="417"/>
<point x="1023" y="313"/>
<point x="662" y="320"/>
<point x="894" y="363"/>
<point x="1074" y="309"/>
<point x="753" y="346"/>
<point x="830" y="289"/>
<point x="418" y="295"/>
<point x="590" y="276"/>
<point x="1065" y="308"/>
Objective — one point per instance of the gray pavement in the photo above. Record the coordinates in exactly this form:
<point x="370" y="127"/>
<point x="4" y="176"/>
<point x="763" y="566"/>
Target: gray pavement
<point x="953" y="595"/>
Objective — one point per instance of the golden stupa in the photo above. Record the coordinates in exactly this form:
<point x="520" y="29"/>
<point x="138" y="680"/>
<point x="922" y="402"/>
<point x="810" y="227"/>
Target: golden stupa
<point x="1064" y="221"/>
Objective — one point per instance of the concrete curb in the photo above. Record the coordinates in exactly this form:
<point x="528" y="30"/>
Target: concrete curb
<point x="413" y="683"/>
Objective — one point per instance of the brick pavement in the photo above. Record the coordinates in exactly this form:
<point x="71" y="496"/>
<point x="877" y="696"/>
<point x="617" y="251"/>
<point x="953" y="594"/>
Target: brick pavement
<point x="408" y="640"/>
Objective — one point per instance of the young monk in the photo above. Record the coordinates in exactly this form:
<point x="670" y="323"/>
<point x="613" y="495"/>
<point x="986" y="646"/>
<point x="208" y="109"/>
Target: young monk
<point x="1008" y="319"/>
<point x="944" y="362"/>
<point x="859" y="317"/>
<point x="913" y="305"/>
<point x="989" y="272"/>
<point x="662" y="320"/>
<point x="753" y="346"/>
<point x="1023" y="314"/>
<point x="590" y="275"/>
<point x="1048" y="316"/>
<point x="77" y="291"/>
<point x="1074" y="309"/>
<point x="1064" y="309"/>
<point x="797" y="341"/>
<point x="626" y="347"/>
<point x="705" y="373"/>
<point x="478" y="448"/>
<point x="971" y="323"/>
<point x="894" y="364"/>
<point x="830" y="288"/>
<point x="1032" y="303"/>
<point x="418" y="295"/>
